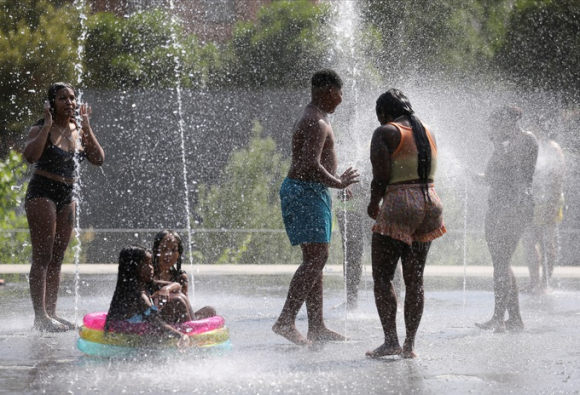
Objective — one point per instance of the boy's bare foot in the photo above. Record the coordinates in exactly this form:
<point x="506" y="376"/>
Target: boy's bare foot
<point x="49" y="325"/>
<point x="384" y="350"/>
<point x="514" y="325"/>
<point x="291" y="333"/>
<point x="324" y="334"/>
<point x="496" y="325"/>
<point x="68" y="324"/>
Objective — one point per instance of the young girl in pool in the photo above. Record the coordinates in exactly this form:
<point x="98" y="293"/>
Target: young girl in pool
<point x="167" y="253"/>
<point x="133" y="300"/>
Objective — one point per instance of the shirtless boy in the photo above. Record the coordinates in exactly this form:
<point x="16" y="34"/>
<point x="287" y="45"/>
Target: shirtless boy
<point x="307" y="207"/>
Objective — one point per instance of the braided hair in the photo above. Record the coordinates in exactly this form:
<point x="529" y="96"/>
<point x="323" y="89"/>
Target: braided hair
<point x="393" y="104"/>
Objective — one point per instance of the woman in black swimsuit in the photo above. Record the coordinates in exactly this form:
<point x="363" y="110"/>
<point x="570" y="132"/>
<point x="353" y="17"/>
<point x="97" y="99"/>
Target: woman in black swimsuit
<point x="55" y="145"/>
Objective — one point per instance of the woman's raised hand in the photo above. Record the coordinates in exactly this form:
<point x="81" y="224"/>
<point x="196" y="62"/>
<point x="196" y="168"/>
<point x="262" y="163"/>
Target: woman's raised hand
<point x="47" y="114"/>
<point x="85" y="113"/>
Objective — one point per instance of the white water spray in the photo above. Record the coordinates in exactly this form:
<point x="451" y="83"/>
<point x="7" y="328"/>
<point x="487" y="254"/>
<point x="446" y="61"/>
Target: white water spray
<point x="347" y="23"/>
<point x="80" y="6"/>
<point x="465" y="248"/>
<point x="181" y="125"/>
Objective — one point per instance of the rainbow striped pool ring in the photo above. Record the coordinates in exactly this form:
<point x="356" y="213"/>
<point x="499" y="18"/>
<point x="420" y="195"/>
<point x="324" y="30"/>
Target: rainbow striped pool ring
<point x="107" y="351"/>
<point x="208" y="333"/>
<point x="97" y="321"/>
<point x="219" y="335"/>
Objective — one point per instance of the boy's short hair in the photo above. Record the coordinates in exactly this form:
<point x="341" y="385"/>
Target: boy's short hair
<point x="325" y="78"/>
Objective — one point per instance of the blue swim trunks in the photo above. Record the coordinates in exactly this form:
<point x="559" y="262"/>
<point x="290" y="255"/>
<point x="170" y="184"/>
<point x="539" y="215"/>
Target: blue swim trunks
<point x="306" y="211"/>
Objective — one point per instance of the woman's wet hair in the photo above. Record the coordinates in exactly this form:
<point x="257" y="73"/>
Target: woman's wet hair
<point x="128" y="282"/>
<point x="157" y="244"/>
<point x="51" y="97"/>
<point x="326" y="78"/>
<point x="393" y="104"/>
<point x="54" y="88"/>
<point x="129" y="260"/>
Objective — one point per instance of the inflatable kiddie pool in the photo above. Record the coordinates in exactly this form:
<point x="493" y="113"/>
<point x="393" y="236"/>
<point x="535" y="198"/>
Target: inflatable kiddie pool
<point x="209" y="334"/>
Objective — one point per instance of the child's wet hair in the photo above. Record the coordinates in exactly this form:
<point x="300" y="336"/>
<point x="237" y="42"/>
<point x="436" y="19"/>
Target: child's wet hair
<point x="157" y="244"/>
<point x="326" y="78"/>
<point x="129" y="260"/>
<point x="128" y="282"/>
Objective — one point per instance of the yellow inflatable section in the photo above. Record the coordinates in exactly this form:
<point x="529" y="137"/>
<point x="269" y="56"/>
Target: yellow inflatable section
<point x="219" y="335"/>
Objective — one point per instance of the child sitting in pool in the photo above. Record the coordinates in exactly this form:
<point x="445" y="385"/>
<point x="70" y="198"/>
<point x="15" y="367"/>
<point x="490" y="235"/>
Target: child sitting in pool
<point x="167" y="253"/>
<point x="132" y="301"/>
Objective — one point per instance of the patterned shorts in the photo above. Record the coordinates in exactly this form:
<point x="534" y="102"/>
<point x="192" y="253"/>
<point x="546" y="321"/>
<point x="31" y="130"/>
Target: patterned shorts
<point x="408" y="215"/>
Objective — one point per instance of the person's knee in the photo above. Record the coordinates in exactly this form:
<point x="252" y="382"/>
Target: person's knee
<point x="42" y="256"/>
<point x="415" y="288"/>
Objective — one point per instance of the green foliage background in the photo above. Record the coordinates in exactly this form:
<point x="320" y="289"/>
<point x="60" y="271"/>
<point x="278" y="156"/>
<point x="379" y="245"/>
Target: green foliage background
<point x="14" y="246"/>
<point x="37" y="47"/>
<point x="530" y="43"/>
<point x="521" y="43"/>
<point x="246" y="200"/>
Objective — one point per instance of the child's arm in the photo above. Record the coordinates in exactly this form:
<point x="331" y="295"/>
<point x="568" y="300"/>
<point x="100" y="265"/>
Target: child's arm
<point x="166" y="287"/>
<point x="184" y="340"/>
<point x="184" y="281"/>
<point x="156" y="320"/>
<point x="163" y="295"/>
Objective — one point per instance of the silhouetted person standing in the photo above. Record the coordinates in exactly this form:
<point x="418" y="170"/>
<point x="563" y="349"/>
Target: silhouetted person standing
<point x="509" y="174"/>
<point x="541" y="240"/>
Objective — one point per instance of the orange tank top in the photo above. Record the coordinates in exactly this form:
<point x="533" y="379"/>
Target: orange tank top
<point x="405" y="159"/>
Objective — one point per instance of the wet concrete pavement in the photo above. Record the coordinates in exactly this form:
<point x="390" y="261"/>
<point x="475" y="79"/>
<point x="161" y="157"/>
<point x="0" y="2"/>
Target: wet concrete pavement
<point x="455" y="357"/>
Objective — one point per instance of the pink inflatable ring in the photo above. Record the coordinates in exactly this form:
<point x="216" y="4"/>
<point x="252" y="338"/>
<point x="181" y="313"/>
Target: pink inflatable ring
<point x="97" y="321"/>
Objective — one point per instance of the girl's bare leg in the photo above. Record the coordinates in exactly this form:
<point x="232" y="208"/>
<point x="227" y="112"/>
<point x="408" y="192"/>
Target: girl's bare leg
<point x="177" y="309"/>
<point x="64" y="226"/>
<point x="41" y="215"/>
<point x="413" y="263"/>
<point x="385" y="256"/>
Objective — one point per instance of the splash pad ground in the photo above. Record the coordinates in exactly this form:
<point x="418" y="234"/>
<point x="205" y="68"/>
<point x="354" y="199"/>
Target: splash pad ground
<point x="455" y="357"/>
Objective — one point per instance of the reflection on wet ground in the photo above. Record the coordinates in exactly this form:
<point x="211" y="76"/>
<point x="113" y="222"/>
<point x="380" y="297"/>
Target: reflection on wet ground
<point x="455" y="357"/>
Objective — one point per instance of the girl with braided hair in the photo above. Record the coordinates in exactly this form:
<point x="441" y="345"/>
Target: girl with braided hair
<point x="408" y="215"/>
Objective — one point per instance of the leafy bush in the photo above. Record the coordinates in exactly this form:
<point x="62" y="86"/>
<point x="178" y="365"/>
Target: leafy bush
<point x="37" y="49"/>
<point x="14" y="245"/>
<point x="143" y="50"/>
<point x="286" y="43"/>
<point x="245" y="200"/>
<point x="542" y="45"/>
